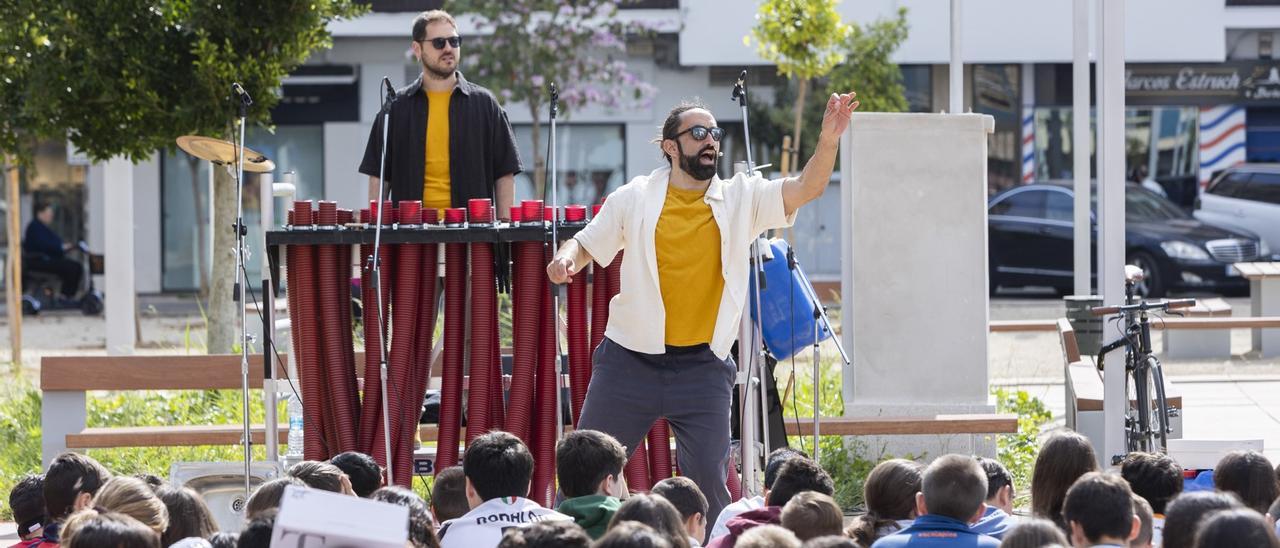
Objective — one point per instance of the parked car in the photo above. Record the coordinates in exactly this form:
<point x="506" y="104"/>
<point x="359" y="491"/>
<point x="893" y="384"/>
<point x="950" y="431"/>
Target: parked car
<point x="1246" y="196"/>
<point x="1030" y="235"/>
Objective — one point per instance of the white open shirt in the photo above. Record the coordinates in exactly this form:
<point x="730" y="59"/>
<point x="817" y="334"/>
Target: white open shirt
<point x="743" y="207"/>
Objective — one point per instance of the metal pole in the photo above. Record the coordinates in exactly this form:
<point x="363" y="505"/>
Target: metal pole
<point x="759" y="364"/>
<point x="555" y="242"/>
<point x="266" y="200"/>
<point x="241" y="288"/>
<point x="1081" y="148"/>
<point x="956" y="74"/>
<point x="375" y="268"/>
<point x="1111" y="206"/>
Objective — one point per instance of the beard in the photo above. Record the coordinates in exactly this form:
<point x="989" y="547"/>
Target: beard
<point x="440" y="70"/>
<point x="694" y="164"/>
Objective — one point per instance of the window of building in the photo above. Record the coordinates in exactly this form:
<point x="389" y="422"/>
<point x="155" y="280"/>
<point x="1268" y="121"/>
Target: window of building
<point x="996" y="91"/>
<point x="917" y="83"/>
<point x="591" y="161"/>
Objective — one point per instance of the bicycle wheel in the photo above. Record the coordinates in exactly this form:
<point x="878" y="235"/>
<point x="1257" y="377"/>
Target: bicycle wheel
<point x="1159" y="406"/>
<point x="1140" y="433"/>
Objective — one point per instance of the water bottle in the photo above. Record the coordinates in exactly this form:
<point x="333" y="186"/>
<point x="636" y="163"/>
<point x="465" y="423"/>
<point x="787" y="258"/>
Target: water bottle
<point x="295" y="426"/>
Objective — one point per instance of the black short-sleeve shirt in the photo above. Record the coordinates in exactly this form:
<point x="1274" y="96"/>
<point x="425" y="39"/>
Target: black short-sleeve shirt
<point x="482" y="146"/>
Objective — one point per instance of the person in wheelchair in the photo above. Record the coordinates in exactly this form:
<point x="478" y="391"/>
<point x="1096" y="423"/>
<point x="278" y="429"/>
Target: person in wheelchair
<point x="44" y="251"/>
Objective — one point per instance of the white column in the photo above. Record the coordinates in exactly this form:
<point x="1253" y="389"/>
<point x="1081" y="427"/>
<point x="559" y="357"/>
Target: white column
<point x="1111" y="183"/>
<point x="118" y="249"/>
<point x="956" y="76"/>
<point x="1081" y="146"/>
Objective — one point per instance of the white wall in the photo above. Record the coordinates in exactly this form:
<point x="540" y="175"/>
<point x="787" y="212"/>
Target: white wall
<point x="343" y="149"/>
<point x="146" y="221"/>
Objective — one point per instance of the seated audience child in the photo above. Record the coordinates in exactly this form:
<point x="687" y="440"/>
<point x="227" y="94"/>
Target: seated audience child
<point x="133" y="497"/>
<point x="223" y="540"/>
<point x="322" y="476"/>
<point x="688" y="499"/>
<point x="632" y="534"/>
<point x="422" y="533"/>
<point x="93" y="529"/>
<point x="449" y="495"/>
<point x="998" y="516"/>
<point x="257" y="533"/>
<point x="795" y="475"/>
<point x="950" y="501"/>
<point x="1250" y="476"/>
<point x="890" y="495"/>
<point x="589" y="467"/>
<point x="811" y="514"/>
<point x="546" y="534"/>
<point x="69" y="485"/>
<point x="768" y="536"/>
<point x="1142" y="509"/>
<point x="362" y="471"/>
<point x="830" y="541"/>
<point x="1034" y="533"/>
<point x="1188" y="510"/>
<point x="1099" y="510"/>
<point x="498" y="468"/>
<point x="189" y="516"/>
<point x="1239" y="527"/>
<point x="656" y="512"/>
<point x="26" y="501"/>
<point x="1157" y="478"/>
<point x="1062" y="460"/>
<point x="267" y="496"/>
<point x="772" y="463"/>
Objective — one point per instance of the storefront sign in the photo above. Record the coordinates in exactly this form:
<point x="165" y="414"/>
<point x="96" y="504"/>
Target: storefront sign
<point x="1244" y="82"/>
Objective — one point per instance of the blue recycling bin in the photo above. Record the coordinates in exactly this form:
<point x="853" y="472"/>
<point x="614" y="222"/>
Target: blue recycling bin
<point x="788" y="322"/>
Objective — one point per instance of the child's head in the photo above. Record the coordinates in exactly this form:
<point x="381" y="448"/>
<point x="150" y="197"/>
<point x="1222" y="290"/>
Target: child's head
<point x="449" y="494"/>
<point x="810" y="514"/>
<point x="953" y="486"/>
<point x="1146" y="518"/>
<point x="1155" y="477"/>
<point x="890" y="494"/>
<point x="422" y="532"/>
<point x="497" y="464"/>
<point x="267" y="496"/>
<point x="1099" y="508"/>
<point x="796" y="475"/>
<point x="1063" y="459"/>
<point x="1250" y="476"/>
<point x="688" y="499"/>
<point x="655" y="512"/>
<point x="322" y="476"/>
<point x="26" y="500"/>
<point x="93" y="529"/>
<point x="70" y="484"/>
<point x="362" y="471"/>
<point x="999" y="484"/>
<point x="133" y="497"/>
<point x="589" y="462"/>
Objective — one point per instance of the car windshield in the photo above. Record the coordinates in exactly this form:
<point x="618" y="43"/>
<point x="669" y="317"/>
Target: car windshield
<point x="1144" y="206"/>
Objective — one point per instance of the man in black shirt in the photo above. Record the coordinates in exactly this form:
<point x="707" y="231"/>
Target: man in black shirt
<point x="449" y="141"/>
<point x="44" y="251"/>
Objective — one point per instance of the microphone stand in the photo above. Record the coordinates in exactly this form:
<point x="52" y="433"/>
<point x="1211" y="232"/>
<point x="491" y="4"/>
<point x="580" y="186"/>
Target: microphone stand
<point x="555" y="242"/>
<point x="820" y="320"/>
<point x="375" y="271"/>
<point x="241" y="285"/>
<point x="755" y="355"/>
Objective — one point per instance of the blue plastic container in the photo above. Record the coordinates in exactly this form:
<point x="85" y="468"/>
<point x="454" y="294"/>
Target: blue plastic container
<point x="788" y="323"/>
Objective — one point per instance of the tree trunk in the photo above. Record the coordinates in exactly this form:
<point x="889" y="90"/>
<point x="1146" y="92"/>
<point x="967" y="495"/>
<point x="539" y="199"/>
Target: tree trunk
<point x="802" y="90"/>
<point x="202" y="227"/>
<point x="221" y="321"/>
<point x="539" y="160"/>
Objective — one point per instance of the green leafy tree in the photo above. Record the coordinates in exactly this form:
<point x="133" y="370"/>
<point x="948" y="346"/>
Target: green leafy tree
<point x="127" y="77"/>
<point x="803" y="38"/>
<point x="529" y="44"/>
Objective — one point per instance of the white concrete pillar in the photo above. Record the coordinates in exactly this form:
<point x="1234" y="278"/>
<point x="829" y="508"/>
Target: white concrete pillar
<point x="118" y="247"/>
<point x="1082" y="147"/>
<point x="1111" y="182"/>
<point x="956" y="78"/>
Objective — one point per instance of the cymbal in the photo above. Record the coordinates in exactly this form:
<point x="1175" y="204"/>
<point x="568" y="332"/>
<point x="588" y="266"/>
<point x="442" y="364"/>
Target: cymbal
<point x="223" y="153"/>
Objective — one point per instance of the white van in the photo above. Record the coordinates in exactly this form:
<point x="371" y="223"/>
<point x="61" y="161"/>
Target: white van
<point x="1246" y="196"/>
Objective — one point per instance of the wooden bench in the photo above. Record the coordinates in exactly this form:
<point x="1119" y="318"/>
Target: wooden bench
<point x="65" y="381"/>
<point x="1264" y="296"/>
<point x="1200" y="343"/>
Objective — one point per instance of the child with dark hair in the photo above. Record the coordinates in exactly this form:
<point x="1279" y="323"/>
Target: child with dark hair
<point x="890" y="495"/>
<point x="93" y="529"/>
<point x="449" y="495"/>
<point x="189" y="516"/>
<point x="950" y="501"/>
<point x="1034" y="533"/>
<point x="632" y="534"/>
<point x="223" y="540"/>
<point x="1239" y="527"/>
<point x="498" y="468"/>
<point x="267" y="496"/>
<point x="1157" y="478"/>
<point x="1188" y="511"/>
<point x="1062" y="460"/>
<point x="795" y="475"/>
<point x="1250" y="476"/>
<point x="26" y="501"/>
<point x="998" y="516"/>
<point x="830" y="541"/>
<point x="70" y="484"/>
<point x="772" y="463"/>
<point x="1142" y="509"/>
<point x="589" y="466"/>
<point x="811" y="514"/>
<point x="257" y="533"/>
<point x="422" y="533"/>
<point x="656" y="512"/>
<point x="1099" y="510"/>
<point x="547" y="534"/>
<point x="688" y="499"/>
<point x="322" y="476"/>
<point x="362" y="471"/>
<point x="768" y="536"/>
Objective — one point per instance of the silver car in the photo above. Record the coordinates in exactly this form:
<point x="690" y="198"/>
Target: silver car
<point x="1247" y="197"/>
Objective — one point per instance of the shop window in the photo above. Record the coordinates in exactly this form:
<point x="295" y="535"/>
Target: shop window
<point x="592" y="161"/>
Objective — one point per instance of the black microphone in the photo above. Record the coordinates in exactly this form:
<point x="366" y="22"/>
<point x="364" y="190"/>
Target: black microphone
<point x="391" y="90"/>
<point x="740" y="88"/>
<point x="555" y="100"/>
<point x="237" y="89"/>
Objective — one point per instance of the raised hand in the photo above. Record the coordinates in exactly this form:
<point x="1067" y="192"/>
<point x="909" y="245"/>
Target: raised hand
<point x="839" y="110"/>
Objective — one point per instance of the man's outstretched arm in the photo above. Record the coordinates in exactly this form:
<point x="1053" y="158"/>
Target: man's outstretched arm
<point x="812" y="182"/>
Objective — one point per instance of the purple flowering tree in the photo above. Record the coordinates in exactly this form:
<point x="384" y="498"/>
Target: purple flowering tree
<point x="581" y="46"/>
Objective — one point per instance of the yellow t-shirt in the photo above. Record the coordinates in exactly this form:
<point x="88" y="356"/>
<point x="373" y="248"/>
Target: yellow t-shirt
<point x="435" y="179"/>
<point x="689" y="270"/>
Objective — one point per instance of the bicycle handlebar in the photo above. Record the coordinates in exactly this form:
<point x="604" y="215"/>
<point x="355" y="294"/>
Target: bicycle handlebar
<point x="1165" y="305"/>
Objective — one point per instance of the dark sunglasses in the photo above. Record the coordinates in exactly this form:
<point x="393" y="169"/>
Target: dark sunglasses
<point x="700" y="132"/>
<point x="438" y="43"/>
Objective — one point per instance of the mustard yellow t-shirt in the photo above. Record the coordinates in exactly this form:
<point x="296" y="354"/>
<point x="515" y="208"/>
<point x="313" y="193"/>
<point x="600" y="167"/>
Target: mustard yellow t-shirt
<point x="435" y="179"/>
<point x="689" y="270"/>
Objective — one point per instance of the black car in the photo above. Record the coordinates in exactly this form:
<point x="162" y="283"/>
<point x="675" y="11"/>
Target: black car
<point x="1030" y="242"/>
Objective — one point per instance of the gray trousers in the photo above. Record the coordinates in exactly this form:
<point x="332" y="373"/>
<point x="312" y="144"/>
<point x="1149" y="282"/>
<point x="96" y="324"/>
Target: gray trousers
<point x="690" y="387"/>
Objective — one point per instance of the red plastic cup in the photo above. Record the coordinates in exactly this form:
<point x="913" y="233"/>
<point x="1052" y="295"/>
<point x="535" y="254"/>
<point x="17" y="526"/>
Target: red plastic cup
<point x="531" y="210"/>
<point x="430" y="216"/>
<point x="575" y="213"/>
<point x="517" y="213"/>
<point x="480" y="210"/>
<point x="455" y="216"/>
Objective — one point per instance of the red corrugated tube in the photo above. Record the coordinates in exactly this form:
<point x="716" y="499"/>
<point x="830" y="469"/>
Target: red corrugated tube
<point x="347" y="369"/>
<point x="331" y="341"/>
<point x="404" y="316"/>
<point x="637" y="470"/>
<point x="482" y="301"/>
<point x="455" y="302"/>
<point x="426" y="326"/>
<point x="734" y="485"/>
<point x="659" y="451"/>
<point x="308" y="350"/>
<point x="526" y="327"/>
<point x="544" y="422"/>
<point x="371" y="405"/>
<point x="579" y="344"/>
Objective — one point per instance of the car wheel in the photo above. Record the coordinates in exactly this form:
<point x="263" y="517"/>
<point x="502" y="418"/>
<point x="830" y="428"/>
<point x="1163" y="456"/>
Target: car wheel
<point x="1152" y="287"/>
<point x="91" y="305"/>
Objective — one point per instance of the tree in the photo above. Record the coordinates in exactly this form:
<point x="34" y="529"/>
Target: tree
<point x="803" y="38"/>
<point x="578" y="45"/>
<point x="127" y="77"/>
<point x="868" y="69"/>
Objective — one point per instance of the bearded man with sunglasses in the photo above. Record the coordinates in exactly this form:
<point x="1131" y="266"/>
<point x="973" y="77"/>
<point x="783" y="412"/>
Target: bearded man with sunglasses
<point x="449" y="141"/>
<point x="687" y="235"/>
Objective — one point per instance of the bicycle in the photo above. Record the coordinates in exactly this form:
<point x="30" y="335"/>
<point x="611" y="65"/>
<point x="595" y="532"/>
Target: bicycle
<point x="1147" y="414"/>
